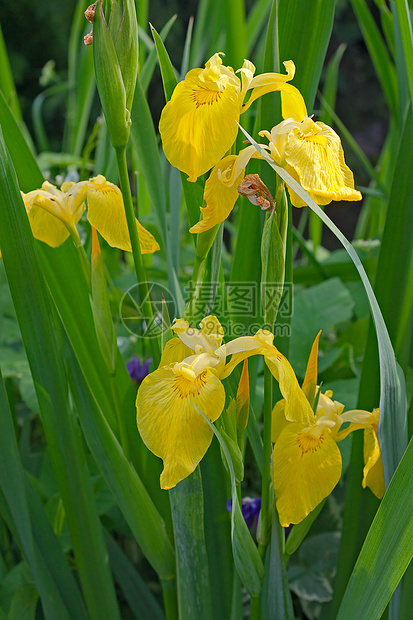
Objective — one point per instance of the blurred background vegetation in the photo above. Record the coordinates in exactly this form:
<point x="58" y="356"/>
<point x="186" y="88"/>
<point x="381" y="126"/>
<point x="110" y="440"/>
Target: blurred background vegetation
<point x="38" y="32"/>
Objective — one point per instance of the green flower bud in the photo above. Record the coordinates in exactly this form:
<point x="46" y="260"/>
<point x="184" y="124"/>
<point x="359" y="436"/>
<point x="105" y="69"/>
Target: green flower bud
<point x="115" y="43"/>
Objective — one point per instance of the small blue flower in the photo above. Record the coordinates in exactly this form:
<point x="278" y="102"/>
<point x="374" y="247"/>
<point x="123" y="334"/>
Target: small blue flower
<point x="138" y="370"/>
<point x="250" y="507"/>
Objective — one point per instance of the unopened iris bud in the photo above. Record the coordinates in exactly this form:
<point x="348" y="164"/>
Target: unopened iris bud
<point x="115" y="46"/>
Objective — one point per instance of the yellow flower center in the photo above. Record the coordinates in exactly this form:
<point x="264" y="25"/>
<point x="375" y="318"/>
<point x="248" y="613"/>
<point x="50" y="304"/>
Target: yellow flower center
<point x="187" y="388"/>
<point x="309" y="443"/>
<point x="205" y="96"/>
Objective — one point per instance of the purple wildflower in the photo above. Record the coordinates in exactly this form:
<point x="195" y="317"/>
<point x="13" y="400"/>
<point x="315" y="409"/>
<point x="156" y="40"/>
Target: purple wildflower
<point x="138" y="370"/>
<point x="250" y="507"/>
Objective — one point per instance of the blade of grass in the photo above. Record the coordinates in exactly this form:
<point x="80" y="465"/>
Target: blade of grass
<point x="387" y="550"/>
<point x="406" y="33"/>
<point x="145" y="75"/>
<point x="194" y="592"/>
<point x="236" y="32"/>
<point x="27" y="170"/>
<point x="7" y="85"/>
<point x="304" y="38"/>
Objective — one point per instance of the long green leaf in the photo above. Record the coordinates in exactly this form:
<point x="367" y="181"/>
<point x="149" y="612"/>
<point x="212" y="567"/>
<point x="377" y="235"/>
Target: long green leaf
<point x="7" y="85"/>
<point x="27" y="170"/>
<point x="38" y="325"/>
<point x="304" y="35"/>
<point x="247" y="559"/>
<point x="387" y="551"/>
<point x="194" y="592"/>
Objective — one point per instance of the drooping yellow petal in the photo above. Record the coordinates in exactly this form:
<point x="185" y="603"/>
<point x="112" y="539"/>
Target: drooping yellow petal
<point x="297" y="406"/>
<point x="221" y="189"/>
<point x="306" y="469"/>
<point x="107" y="214"/>
<point x="169" y="424"/>
<point x="278" y="420"/>
<point x="198" y="125"/>
<point x="310" y="380"/>
<point x="373" y="475"/>
<point x="317" y="160"/>
<point x="45" y="226"/>
<point x="292" y="103"/>
<point x="53" y="213"/>
<point x="219" y="197"/>
<point x="269" y="82"/>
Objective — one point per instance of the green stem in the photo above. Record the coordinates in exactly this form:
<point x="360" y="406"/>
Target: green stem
<point x="266" y="469"/>
<point x="136" y="248"/>
<point x="170" y="599"/>
<point x="82" y="254"/>
<point x="255" y="609"/>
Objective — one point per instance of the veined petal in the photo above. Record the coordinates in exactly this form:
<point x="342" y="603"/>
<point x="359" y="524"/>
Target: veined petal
<point x="198" y="125"/>
<point x="106" y="213"/>
<point x="305" y="471"/>
<point x="373" y="475"/>
<point x="319" y="166"/>
<point x="169" y="424"/>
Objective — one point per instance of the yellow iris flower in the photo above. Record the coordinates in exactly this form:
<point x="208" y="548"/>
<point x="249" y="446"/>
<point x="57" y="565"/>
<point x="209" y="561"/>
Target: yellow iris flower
<point x="53" y="213"/>
<point x="311" y="152"/>
<point x="306" y="462"/>
<point x="190" y="373"/>
<point x="198" y="125"/>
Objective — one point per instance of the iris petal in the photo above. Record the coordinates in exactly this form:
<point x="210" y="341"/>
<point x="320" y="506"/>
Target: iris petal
<point x="305" y="471"/>
<point x="106" y="213"/>
<point x="219" y="197"/>
<point x="198" y="125"/>
<point x="318" y="165"/>
<point x="169" y="424"/>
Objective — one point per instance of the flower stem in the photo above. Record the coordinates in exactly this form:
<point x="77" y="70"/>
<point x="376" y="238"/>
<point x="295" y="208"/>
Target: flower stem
<point x="136" y="249"/>
<point x="82" y="254"/>
<point x="266" y="469"/>
<point x="170" y="599"/>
